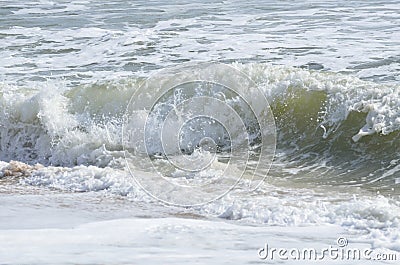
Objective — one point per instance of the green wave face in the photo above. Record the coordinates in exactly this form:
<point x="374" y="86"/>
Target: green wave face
<point x="307" y="155"/>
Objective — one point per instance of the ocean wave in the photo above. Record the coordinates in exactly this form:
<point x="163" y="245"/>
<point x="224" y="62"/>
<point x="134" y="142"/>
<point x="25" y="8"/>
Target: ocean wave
<point x="335" y="128"/>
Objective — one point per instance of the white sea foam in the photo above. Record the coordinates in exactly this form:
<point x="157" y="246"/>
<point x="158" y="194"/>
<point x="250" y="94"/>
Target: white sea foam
<point x="98" y="43"/>
<point x="374" y="219"/>
<point x="149" y="240"/>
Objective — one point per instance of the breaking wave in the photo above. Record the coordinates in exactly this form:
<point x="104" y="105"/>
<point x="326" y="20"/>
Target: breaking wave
<point x="339" y="128"/>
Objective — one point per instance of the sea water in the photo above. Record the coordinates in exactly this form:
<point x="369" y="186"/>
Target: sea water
<point x="328" y="70"/>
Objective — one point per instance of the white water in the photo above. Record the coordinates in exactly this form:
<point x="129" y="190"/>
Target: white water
<point x="88" y="40"/>
<point x="68" y="71"/>
<point x="83" y="125"/>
